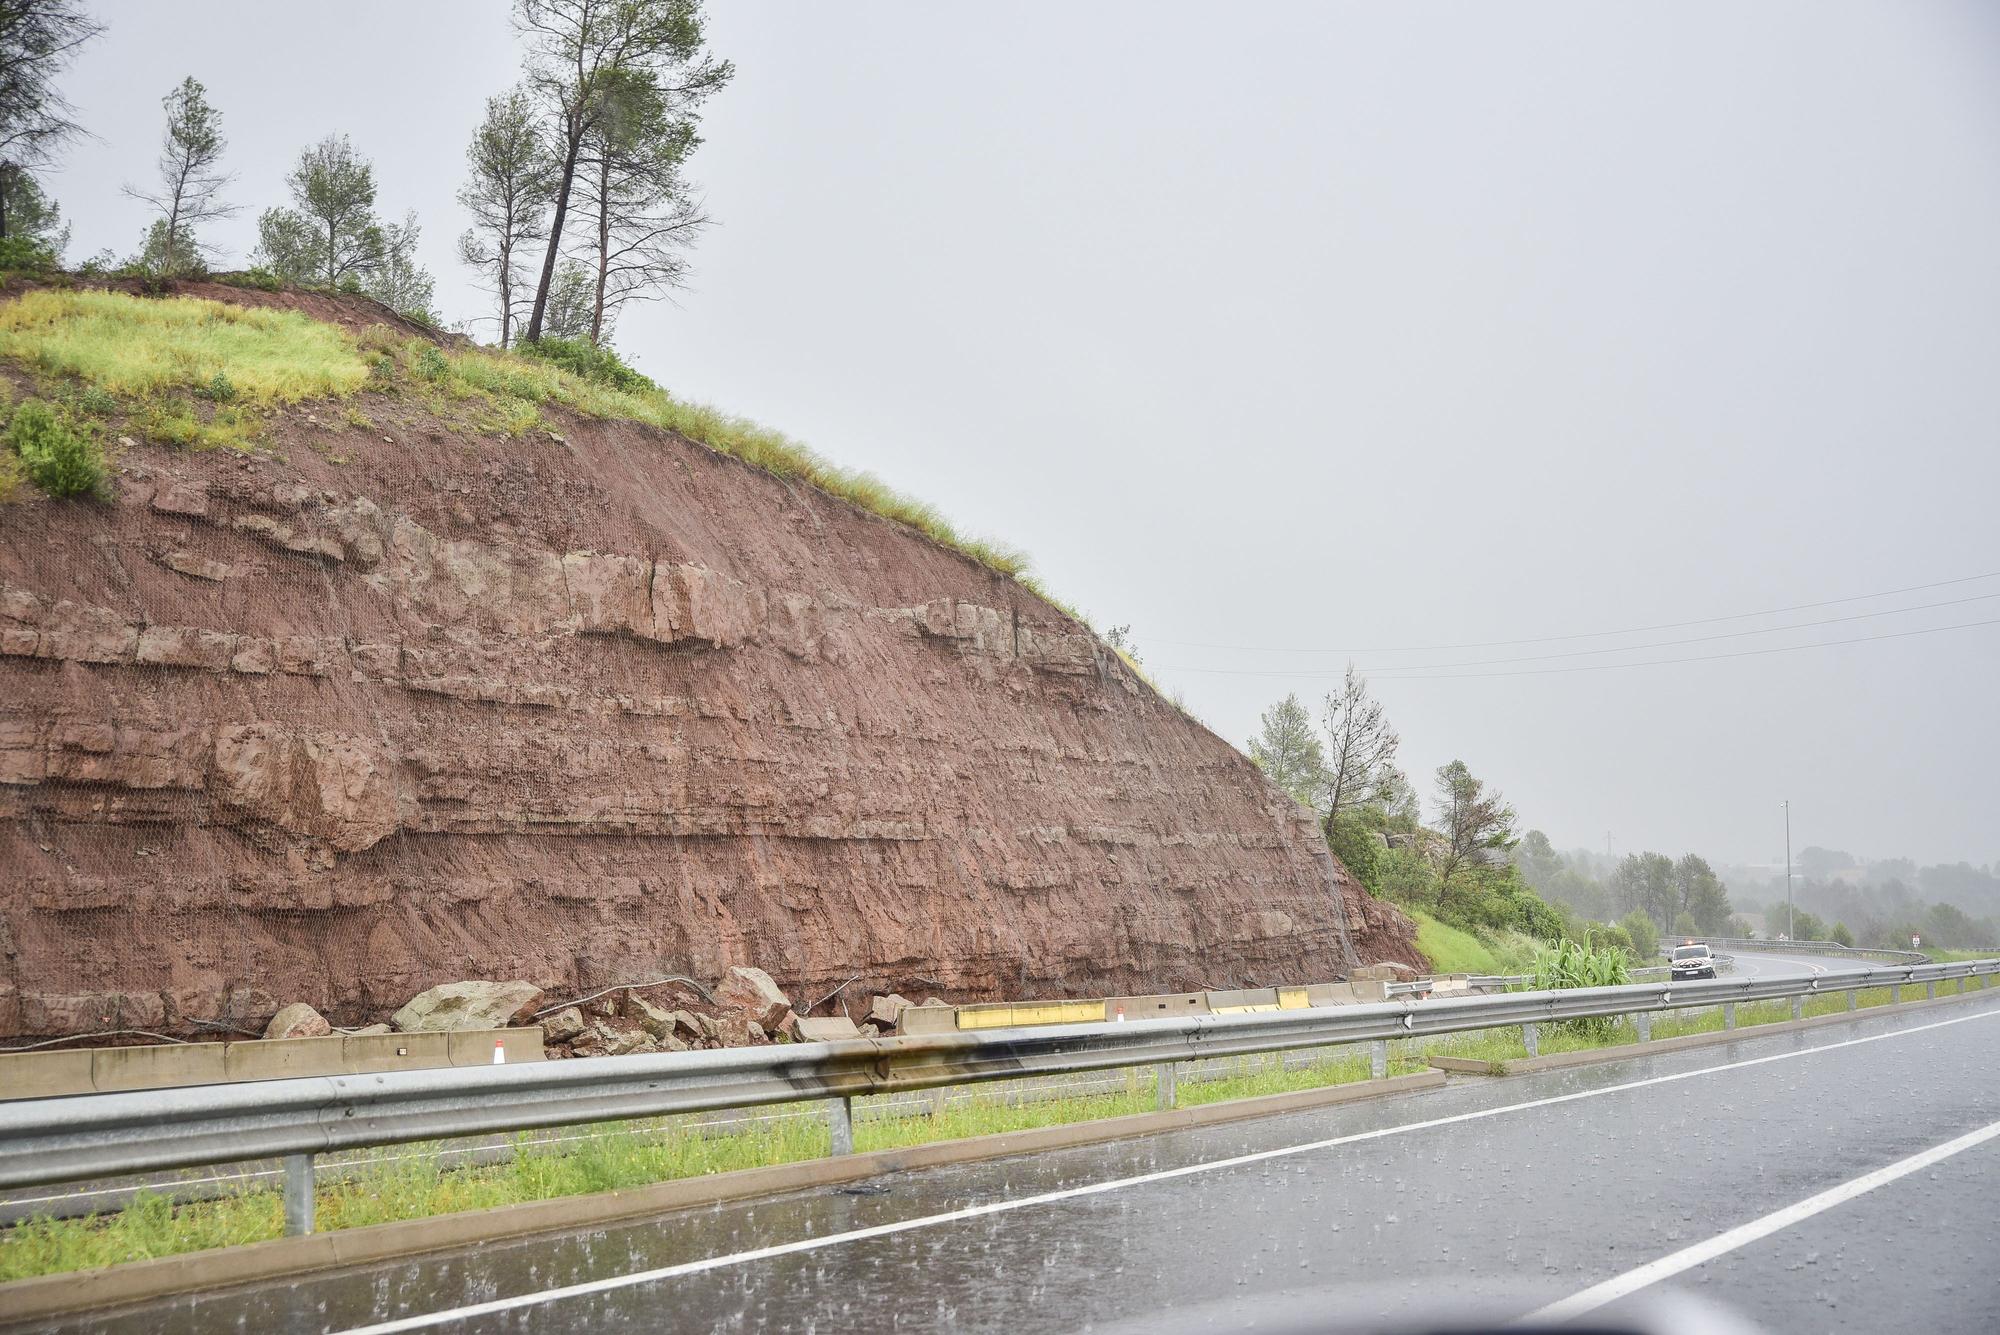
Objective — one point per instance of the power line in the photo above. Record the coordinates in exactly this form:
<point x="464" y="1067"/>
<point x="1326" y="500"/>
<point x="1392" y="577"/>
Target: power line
<point x="1590" y="653"/>
<point x="1585" y="635"/>
<point x="1698" y="658"/>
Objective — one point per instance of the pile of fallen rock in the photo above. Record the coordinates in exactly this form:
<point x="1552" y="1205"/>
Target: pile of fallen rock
<point x="746" y="1008"/>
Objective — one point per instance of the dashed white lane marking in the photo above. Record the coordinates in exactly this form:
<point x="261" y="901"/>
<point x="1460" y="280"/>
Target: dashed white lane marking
<point x="427" y="1320"/>
<point x="1611" y="1290"/>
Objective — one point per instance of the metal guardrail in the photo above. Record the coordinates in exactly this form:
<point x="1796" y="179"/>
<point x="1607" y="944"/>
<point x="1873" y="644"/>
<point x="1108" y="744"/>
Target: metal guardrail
<point x="1754" y="944"/>
<point x="46" y="1141"/>
<point x="1500" y="982"/>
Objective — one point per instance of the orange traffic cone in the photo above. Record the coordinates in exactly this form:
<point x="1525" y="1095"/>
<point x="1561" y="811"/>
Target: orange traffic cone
<point x="499" y="1052"/>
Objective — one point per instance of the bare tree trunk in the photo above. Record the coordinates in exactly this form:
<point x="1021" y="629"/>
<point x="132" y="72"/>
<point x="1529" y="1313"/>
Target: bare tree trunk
<point x="555" y="237"/>
<point x="603" y="245"/>
<point x="173" y="229"/>
<point x="506" y="284"/>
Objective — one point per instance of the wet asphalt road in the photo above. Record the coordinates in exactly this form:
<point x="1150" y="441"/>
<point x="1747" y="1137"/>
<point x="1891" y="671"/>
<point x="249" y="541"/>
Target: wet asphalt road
<point x="1521" y="1202"/>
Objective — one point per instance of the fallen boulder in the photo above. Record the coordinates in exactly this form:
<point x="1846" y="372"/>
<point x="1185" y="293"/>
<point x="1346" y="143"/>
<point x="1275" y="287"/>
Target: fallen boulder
<point x="607" y="1040"/>
<point x="298" y="1020"/>
<point x="564" y="1025"/>
<point x="469" y="1005"/>
<point x="653" y="1019"/>
<point x="826" y="1028"/>
<point x="752" y="992"/>
<point x="888" y="1011"/>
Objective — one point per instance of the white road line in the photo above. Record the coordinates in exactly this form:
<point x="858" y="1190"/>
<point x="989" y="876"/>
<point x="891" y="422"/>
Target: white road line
<point x="430" y="1319"/>
<point x="1611" y="1290"/>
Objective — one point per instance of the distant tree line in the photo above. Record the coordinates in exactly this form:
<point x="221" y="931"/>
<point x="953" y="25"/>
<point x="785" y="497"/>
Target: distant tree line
<point x="576" y="180"/>
<point x="1884" y="902"/>
<point x="1647" y="895"/>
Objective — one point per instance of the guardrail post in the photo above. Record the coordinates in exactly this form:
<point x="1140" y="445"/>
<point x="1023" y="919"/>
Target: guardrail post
<point x="1169" y="1096"/>
<point x="1853" y="999"/>
<point x="298" y="1194"/>
<point x="1378" y="1058"/>
<point x="1728" y="1015"/>
<point x="1798" y="1008"/>
<point x="840" y="1124"/>
<point x="1930" y="991"/>
<point x="1643" y="1022"/>
<point x="1895" y="993"/>
<point x="935" y="1100"/>
<point x="1531" y="1040"/>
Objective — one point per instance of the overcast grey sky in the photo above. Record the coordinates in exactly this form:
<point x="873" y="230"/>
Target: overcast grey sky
<point x="1336" y="328"/>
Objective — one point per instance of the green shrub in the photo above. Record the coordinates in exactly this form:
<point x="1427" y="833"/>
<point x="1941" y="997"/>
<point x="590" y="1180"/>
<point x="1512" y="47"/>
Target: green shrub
<point x="1354" y="841"/>
<point x="1611" y="934"/>
<point x="1645" y="935"/>
<point x="430" y="364"/>
<point x="25" y="254"/>
<point x="94" y="402"/>
<point x="256" y="276"/>
<point x="56" y="457"/>
<point x="581" y="357"/>
<point x="220" y="388"/>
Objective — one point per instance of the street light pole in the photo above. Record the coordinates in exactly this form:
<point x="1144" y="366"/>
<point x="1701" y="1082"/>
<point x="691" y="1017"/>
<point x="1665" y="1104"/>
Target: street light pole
<point x="1789" y="930"/>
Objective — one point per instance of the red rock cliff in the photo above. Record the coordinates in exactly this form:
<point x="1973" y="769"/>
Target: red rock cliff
<point x="370" y="714"/>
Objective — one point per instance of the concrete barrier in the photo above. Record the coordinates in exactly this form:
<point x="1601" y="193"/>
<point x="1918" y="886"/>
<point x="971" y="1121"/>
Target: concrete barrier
<point x="1148" y="1006"/>
<point x="154" y="1067"/>
<point x="1243" y="1001"/>
<point x="39" y="1075"/>
<point x="1155" y="1005"/>
<point x="927" y="1020"/>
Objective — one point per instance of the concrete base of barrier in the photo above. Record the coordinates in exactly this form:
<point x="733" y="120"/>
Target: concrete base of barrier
<point x="1590" y="1056"/>
<point x="285" y="1258"/>
<point x="37" y="1075"/>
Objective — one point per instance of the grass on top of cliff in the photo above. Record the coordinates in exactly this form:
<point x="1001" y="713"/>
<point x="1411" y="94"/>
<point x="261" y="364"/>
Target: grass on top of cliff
<point x="158" y="359"/>
<point x="123" y="345"/>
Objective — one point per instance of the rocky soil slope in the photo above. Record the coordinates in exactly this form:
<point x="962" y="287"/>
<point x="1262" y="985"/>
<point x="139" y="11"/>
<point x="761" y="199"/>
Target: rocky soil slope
<point x="393" y="704"/>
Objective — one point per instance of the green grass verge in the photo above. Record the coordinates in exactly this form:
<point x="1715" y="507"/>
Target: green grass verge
<point x="1451" y="949"/>
<point x="1454" y="950"/>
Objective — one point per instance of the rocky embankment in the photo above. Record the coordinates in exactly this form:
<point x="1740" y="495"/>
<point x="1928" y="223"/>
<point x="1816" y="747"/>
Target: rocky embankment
<point x="394" y="703"/>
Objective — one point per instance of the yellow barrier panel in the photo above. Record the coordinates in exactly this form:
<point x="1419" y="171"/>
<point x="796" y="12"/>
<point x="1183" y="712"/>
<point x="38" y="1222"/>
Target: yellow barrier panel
<point x="1247" y="1010"/>
<point x="1293" y="999"/>
<point x="1048" y="1012"/>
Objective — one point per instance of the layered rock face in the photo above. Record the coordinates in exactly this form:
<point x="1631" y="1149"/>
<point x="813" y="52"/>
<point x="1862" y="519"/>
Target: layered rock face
<point x="373" y="714"/>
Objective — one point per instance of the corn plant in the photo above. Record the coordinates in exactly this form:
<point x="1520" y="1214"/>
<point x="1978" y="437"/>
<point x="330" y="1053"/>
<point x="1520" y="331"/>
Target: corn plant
<point x="1572" y="963"/>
